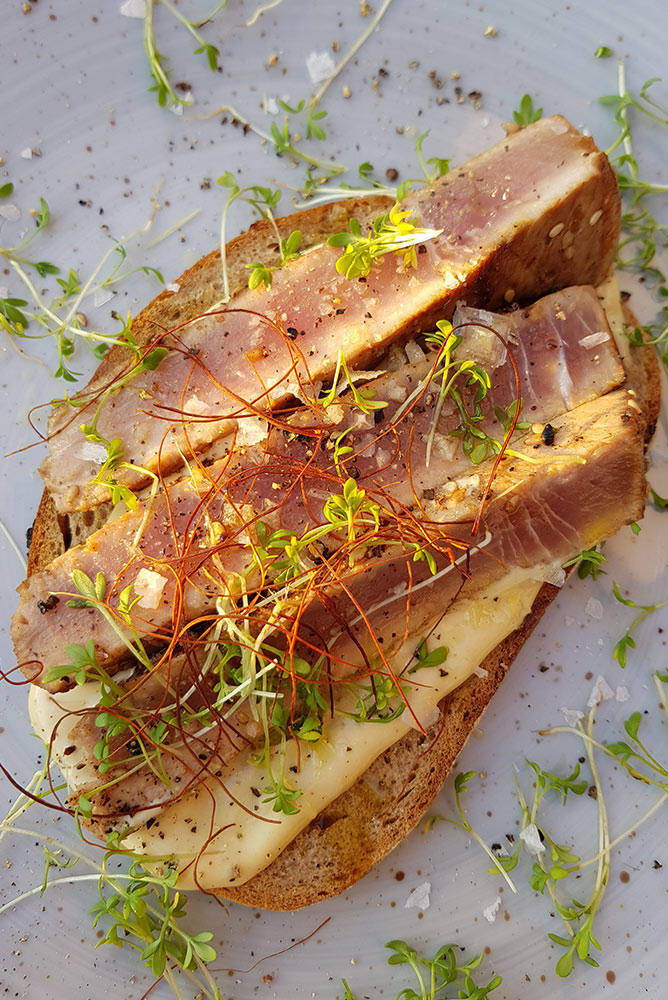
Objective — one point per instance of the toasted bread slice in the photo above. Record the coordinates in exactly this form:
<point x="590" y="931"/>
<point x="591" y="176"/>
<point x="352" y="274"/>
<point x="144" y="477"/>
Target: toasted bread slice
<point x="364" y="823"/>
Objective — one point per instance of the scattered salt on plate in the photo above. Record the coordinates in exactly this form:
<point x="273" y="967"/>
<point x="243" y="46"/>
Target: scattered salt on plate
<point x="531" y="838"/>
<point x="601" y="691"/>
<point x="320" y="66"/>
<point x="133" y="8"/>
<point x="10" y="212"/>
<point x="419" y="897"/>
<point x="490" y="912"/>
<point x="594" y="609"/>
<point x="102" y="296"/>
<point x="572" y="716"/>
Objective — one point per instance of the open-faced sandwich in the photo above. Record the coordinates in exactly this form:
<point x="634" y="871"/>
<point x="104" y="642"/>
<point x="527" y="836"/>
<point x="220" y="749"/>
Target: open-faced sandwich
<point x="294" y="534"/>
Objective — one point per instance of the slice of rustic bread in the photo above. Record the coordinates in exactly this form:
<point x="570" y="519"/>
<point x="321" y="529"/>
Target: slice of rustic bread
<point x="361" y="826"/>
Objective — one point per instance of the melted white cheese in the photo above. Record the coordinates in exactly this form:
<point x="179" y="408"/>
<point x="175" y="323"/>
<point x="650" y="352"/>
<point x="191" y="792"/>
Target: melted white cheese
<point x="242" y="833"/>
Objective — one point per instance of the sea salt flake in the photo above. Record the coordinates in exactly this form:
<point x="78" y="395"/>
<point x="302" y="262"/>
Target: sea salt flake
<point x="419" y="898"/>
<point x="102" y="296"/>
<point x="556" y="576"/>
<point x="601" y="691"/>
<point x="250" y="431"/>
<point x="320" y="66"/>
<point x="93" y="451"/>
<point x="594" y="339"/>
<point x="173" y="286"/>
<point x="10" y="212"/>
<point x="133" y="8"/>
<point x="149" y="585"/>
<point x="270" y="106"/>
<point x="594" y="609"/>
<point x="490" y="912"/>
<point x="531" y="838"/>
<point x="177" y="109"/>
<point x="26" y="154"/>
<point x="572" y="716"/>
<point x="622" y="693"/>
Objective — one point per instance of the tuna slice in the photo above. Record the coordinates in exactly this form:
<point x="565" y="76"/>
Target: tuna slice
<point x="537" y="517"/>
<point x="189" y="545"/>
<point x="582" y="489"/>
<point x="190" y="752"/>
<point x="538" y="211"/>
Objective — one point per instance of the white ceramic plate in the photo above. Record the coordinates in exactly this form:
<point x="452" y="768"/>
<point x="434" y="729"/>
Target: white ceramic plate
<point x="74" y="88"/>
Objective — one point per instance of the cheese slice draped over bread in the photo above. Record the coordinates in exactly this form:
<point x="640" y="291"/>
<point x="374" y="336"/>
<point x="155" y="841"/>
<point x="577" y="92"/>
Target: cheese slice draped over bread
<point x="244" y="841"/>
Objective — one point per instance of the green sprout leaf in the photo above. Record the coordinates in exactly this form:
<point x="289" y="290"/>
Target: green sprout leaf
<point x="526" y="114"/>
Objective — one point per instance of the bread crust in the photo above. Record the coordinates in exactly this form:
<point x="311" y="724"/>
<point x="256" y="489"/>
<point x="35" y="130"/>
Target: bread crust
<point x="364" y="823"/>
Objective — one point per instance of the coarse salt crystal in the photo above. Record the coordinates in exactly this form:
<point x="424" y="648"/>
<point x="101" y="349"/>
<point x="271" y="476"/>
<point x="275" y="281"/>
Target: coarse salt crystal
<point x="531" y="838"/>
<point x="419" y="898"/>
<point x="320" y="66"/>
<point x="594" y="608"/>
<point x="251" y="430"/>
<point x="555" y="576"/>
<point x="10" y="212"/>
<point x="270" y="106"/>
<point x="26" y="154"/>
<point x="149" y="585"/>
<point x="622" y="693"/>
<point x="594" y="339"/>
<point x="414" y="352"/>
<point x="572" y="716"/>
<point x="102" y="296"/>
<point x="601" y="691"/>
<point x="133" y="8"/>
<point x="173" y="286"/>
<point x="480" y="672"/>
<point x="490" y="912"/>
<point x="93" y="451"/>
<point x="177" y="109"/>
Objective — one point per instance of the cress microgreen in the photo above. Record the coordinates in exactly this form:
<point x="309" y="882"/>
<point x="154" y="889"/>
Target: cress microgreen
<point x="162" y="86"/>
<point x="426" y="658"/>
<point x="589" y="562"/>
<point x="60" y="318"/>
<point x="364" y="399"/>
<point x="391" y="233"/>
<point x="461" y="784"/>
<point x="439" y="166"/>
<point x="627" y="641"/>
<point x="261" y="274"/>
<point x="661" y="503"/>
<point x="444" y="972"/>
<point x="641" y="232"/>
<point x="527" y="114"/>
<point x="640" y="764"/>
